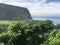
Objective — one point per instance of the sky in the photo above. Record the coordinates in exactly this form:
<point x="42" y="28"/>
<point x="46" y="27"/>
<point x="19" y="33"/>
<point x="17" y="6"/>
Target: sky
<point x="37" y="7"/>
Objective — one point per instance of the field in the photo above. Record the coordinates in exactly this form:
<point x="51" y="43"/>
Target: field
<point x="7" y="21"/>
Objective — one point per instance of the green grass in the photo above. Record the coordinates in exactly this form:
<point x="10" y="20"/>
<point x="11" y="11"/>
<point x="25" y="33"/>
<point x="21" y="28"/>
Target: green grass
<point x="11" y="21"/>
<point x="7" y="22"/>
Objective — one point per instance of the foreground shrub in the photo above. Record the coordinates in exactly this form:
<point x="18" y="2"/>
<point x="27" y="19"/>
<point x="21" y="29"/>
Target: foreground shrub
<point x="20" y="33"/>
<point x="53" y="38"/>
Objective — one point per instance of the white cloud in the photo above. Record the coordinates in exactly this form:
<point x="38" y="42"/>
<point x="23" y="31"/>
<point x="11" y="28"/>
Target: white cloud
<point x="36" y="7"/>
<point x="31" y="1"/>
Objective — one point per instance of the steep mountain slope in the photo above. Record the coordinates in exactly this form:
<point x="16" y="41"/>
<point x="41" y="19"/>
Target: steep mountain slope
<point x="9" y="12"/>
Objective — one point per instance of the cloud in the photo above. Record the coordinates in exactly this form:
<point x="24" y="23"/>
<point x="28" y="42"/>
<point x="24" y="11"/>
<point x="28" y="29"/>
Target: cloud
<point x="26" y="1"/>
<point x="37" y="7"/>
<point x="48" y="1"/>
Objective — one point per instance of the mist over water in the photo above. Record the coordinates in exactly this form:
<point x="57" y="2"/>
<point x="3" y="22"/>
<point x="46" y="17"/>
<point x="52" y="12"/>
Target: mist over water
<point x="55" y="19"/>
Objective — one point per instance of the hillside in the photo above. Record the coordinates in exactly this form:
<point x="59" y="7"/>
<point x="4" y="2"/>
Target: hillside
<point x="9" y="12"/>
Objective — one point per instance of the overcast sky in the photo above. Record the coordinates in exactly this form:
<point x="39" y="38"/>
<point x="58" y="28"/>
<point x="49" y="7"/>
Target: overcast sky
<point x="37" y="7"/>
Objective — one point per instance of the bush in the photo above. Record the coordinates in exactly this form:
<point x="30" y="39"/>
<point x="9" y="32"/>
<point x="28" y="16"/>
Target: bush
<point x="53" y="38"/>
<point x="26" y="33"/>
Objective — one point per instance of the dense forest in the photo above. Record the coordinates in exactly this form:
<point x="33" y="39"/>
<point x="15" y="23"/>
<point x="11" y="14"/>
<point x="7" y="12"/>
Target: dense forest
<point x="31" y="33"/>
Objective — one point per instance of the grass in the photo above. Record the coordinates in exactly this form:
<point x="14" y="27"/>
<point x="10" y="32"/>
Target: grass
<point x="7" y="21"/>
<point x="11" y="21"/>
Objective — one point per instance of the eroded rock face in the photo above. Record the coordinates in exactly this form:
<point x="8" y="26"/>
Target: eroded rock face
<point x="9" y="12"/>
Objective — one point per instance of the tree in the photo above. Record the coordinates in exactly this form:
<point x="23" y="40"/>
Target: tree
<point x="57" y="26"/>
<point x="26" y="33"/>
<point x="53" y="38"/>
<point x="47" y="26"/>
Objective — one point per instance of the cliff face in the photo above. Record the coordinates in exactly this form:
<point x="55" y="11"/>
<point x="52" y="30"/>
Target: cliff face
<point x="9" y="12"/>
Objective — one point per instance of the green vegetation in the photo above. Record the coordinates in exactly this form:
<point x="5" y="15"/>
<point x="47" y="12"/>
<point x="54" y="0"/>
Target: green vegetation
<point x="8" y="22"/>
<point x="27" y="33"/>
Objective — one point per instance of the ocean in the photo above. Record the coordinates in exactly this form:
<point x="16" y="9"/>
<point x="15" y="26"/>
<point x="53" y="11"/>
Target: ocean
<point x="55" y="20"/>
